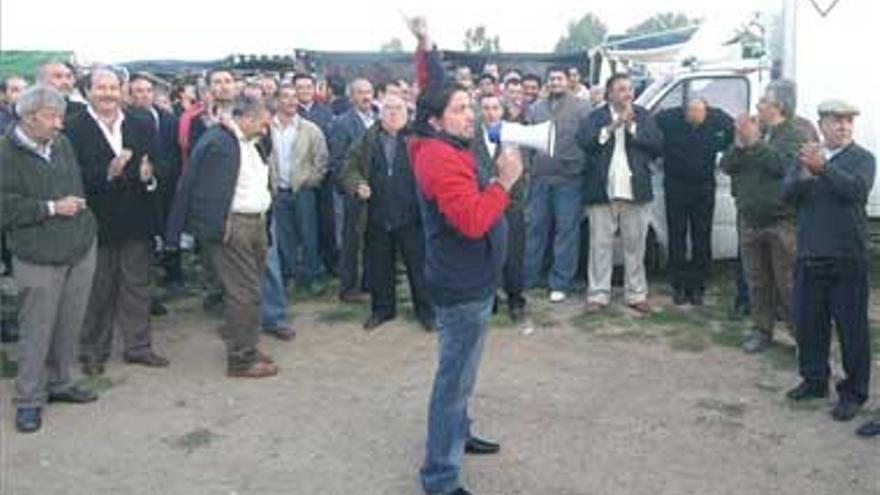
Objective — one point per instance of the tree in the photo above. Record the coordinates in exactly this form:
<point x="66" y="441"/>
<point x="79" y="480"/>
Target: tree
<point x="661" y="22"/>
<point x="394" y="45"/>
<point x="588" y="32"/>
<point x="478" y="40"/>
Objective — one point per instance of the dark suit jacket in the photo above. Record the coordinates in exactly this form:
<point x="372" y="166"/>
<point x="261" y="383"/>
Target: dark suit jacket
<point x="204" y="197"/>
<point x="347" y="128"/>
<point x="320" y="114"/>
<point x="123" y="206"/>
<point x="641" y="149"/>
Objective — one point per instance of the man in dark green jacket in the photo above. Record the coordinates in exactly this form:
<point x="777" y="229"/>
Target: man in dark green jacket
<point x="757" y="164"/>
<point x="52" y="239"/>
<point x="377" y="171"/>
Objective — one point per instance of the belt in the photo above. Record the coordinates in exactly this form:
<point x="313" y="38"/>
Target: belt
<point x="254" y="216"/>
<point x="285" y="190"/>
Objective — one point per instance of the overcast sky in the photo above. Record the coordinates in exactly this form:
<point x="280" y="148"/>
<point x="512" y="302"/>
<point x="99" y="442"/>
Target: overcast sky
<point x="205" y="30"/>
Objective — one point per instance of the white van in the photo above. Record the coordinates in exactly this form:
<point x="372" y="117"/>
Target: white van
<point x="828" y="52"/>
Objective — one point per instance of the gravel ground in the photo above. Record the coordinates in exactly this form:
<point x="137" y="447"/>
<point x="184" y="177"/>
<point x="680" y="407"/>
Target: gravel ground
<point x="611" y="406"/>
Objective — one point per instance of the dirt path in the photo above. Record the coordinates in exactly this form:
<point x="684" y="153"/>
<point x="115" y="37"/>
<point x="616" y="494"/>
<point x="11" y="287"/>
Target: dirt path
<point x="603" y="406"/>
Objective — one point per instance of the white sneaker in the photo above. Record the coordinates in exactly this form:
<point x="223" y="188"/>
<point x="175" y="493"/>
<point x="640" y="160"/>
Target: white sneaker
<point x="557" y="296"/>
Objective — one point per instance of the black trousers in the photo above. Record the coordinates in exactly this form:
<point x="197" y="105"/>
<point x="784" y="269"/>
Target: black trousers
<point x="689" y="214"/>
<point x="835" y="290"/>
<point x="353" y="225"/>
<point x="327" y="248"/>
<point x="382" y="246"/>
<point x="514" y="265"/>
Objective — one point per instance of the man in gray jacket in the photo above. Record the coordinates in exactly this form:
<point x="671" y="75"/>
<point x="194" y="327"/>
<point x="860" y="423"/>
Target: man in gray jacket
<point x="556" y="189"/>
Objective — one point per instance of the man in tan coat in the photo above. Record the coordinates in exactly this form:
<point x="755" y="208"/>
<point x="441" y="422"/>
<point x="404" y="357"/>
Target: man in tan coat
<point x="297" y="166"/>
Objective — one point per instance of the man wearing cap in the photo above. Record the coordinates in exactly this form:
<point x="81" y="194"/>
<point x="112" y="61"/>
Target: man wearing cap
<point x="829" y="186"/>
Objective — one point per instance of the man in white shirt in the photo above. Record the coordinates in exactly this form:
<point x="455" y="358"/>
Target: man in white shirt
<point x="222" y="201"/>
<point x="621" y="140"/>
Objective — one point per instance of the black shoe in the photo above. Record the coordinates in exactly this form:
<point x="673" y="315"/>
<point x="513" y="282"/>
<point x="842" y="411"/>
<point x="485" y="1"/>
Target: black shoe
<point x="427" y="324"/>
<point x="757" y="342"/>
<point x="460" y="491"/>
<point x="476" y="445"/>
<point x="869" y="429"/>
<point x="28" y="419"/>
<point x="698" y="297"/>
<point x="845" y="410"/>
<point x="150" y="360"/>
<point x="517" y="314"/>
<point x="808" y="390"/>
<point x="157" y="308"/>
<point x="375" y="320"/>
<point x="74" y="395"/>
<point x="92" y="368"/>
<point x="680" y="297"/>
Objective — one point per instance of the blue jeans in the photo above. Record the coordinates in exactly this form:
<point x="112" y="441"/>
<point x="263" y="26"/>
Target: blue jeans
<point x="558" y="205"/>
<point x="461" y="334"/>
<point x="296" y="222"/>
<point x="273" y="301"/>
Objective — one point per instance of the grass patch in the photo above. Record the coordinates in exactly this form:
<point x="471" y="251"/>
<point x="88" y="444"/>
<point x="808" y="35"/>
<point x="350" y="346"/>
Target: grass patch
<point x="99" y="383"/>
<point x="342" y="314"/>
<point x="543" y="317"/>
<point x="8" y="366"/>
<point x="199" y="438"/>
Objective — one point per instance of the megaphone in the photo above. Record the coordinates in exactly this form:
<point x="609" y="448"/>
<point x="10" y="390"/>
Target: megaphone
<point x="541" y="137"/>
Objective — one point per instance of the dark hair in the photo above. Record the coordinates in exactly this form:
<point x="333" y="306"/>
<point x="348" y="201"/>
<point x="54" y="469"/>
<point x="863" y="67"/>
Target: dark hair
<point x="531" y="76"/>
<point x="217" y="70"/>
<point x="512" y="80"/>
<point x="433" y="102"/>
<point x="336" y="85"/>
<point x="557" y="68"/>
<point x="488" y="76"/>
<point x="302" y="75"/>
<point x="140" y="76"/>
<point x="383" y="86"/>
<point x="620" y="76"/>
<point x="6" y="78"/>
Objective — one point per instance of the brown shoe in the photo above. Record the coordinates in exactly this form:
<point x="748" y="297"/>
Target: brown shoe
<point x="264" y="358"/>
<point x="282" y="332"/>
<point x="595" y="307"/>
<point x="640" y="307"/>
<point x="260" y="369"/>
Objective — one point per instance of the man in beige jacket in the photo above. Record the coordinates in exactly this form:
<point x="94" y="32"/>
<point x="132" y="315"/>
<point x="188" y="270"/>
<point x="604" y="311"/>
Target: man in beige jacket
<point x="297" y="166"/>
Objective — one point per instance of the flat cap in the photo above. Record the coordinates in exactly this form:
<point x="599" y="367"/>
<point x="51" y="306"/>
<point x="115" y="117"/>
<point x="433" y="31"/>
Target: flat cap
<point x="837" y="107"/>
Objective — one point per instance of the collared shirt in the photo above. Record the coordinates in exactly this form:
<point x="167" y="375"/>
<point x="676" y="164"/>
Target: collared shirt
<point x="389" y="148"/>
<point x="619" y="173"/>
<point x="490" y="146"/>
<point x="284" y="137"/>
<point x="45" y="150"/>
<point x="113" y="135"/>
<point x="367" y="118"/>
<point x="831" y="153"/>
<point x="155" y="114"/>
<point x="252" y="187"/>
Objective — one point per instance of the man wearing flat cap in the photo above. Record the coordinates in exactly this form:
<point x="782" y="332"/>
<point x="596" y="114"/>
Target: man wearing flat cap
<point x="829" y="187"/>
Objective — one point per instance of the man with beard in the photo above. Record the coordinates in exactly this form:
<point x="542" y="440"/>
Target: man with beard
<point x="556" y="188"/>
<point x="465" y="231"/>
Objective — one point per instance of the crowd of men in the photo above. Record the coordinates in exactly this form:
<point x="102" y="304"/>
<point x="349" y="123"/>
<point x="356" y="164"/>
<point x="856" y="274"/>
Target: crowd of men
<point x="278" y="184"/>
